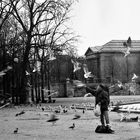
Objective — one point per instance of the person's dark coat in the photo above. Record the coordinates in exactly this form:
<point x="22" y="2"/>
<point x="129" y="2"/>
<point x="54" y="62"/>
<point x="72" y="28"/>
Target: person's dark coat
<point x="101" y="96"/>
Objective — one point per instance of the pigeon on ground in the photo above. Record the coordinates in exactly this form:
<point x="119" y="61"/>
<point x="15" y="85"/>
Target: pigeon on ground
<point x="43" y="108"/>
<point x="83" y="111"/>
<point x="16" y="131"/>
<point x="57" y="111"/>
<point x="73" y="126"/>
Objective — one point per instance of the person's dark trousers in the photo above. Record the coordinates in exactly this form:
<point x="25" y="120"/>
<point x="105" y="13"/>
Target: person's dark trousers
<point x="104" y="117"/>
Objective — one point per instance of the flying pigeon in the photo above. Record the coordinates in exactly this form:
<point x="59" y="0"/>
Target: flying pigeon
<point x="87" y="73"/>
<point x="53" y="118"/>
<point x="51" y="55"/>
<point x="76" y="66"/>
<point x="73" y="126"/>
<point x="134" y="76"/>
<point x="127" y="52"/>
<point x="37" y="66"/>
<point x="51" y="94"/>
<point x="9" y="68"/>
<point x="77" y="116"/>
<point x="16" y="131"/>
<point x="54" y="93"/>
<point x="27" y="73"/>
<point x="51" y="58"/>
<point x="78" y="83"/>
<point x="20" y="113"/>
<point x="120" y="85"/>
<point x="87" y="95"/>
<point x="34" y="70"/>
<point x="2" y="73"/>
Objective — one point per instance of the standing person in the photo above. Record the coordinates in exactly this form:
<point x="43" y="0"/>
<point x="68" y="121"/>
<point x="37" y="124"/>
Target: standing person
<point x="102" y="99"/>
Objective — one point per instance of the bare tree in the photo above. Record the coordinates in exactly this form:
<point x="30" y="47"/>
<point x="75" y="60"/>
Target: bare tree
<point x="41" y="19"/>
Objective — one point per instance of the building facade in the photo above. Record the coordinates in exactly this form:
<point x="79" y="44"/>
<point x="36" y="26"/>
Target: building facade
<point x="108" y="62"/>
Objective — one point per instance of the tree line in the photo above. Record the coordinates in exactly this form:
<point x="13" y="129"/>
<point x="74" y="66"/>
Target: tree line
<point x="32" y="31"/>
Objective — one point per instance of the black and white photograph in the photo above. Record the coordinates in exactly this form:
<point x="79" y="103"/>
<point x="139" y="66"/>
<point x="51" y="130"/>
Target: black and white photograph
<point x="69" y="70"/>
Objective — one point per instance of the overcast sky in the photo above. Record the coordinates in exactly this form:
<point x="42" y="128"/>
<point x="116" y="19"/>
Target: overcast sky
<point x="99" y="21"/>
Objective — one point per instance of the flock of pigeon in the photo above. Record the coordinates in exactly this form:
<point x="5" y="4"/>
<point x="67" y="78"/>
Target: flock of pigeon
<point x="78" y="109"/>
<point x="77" y="66"/>
<point x="61" y="109"/>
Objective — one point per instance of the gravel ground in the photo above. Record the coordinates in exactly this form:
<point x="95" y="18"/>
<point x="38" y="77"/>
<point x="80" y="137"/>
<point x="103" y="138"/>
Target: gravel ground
<point x="33" y="124"/>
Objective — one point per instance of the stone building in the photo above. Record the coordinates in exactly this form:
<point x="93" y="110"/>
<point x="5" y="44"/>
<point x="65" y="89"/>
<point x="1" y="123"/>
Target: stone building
<point x="108" y="62"/>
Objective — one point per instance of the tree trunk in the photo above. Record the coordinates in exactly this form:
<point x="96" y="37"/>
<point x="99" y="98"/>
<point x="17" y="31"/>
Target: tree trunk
<point x="49" y="98"/>
<point x="24" y="92"/>
<point x="36" y="94"/>
<point x="32" y="90"/>
<point x="42" y="84"/>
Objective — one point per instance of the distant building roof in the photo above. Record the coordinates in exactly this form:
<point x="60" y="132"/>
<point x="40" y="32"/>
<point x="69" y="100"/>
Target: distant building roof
<point x="94" y="49"/>
<point x="115" y="46"/>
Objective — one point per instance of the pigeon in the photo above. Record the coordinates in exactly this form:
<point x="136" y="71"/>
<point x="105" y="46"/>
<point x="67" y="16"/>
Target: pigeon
<point x="78" y="83"/>
<point x="51" y="94"/>
<point x="73" y="126"/>
<point x="77" y="116"/>
<point x="2" y="73"/>
<point x="43" y="108"/>
<point x="37" y="66"/>
<point x="53" y="118"/>
<point x="83" y="111"/>
<point x="54" y="93"/>
<point x="57" y="111"/>
<point x="51" y="58"/>
<point x="9" y="68"/>
<point x="16" y="131"/>
<point x="120" y="85"/>
<point x="76" y="65"/>
<point x="88" y="95"/>
<point x="127" y="51"/>
<point x="87" y="73"/>
<point x="34" y="70"/>
<point x="134" y="76"/>
<point x="20" y="113"/>
<point x="51" y="55"/>
<point x="27" y="73"/>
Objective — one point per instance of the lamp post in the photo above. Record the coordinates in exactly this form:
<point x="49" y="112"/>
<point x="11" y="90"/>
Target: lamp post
<point x="16" y="79"/>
